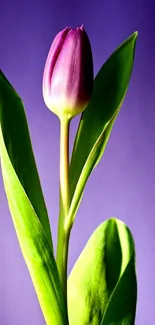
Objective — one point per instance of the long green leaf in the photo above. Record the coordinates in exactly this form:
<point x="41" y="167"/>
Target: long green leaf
<point x="102" y="287"/>
<point x="97" y="120"/>
<point x="18" y="145"/>
<point x="29" y="215"/>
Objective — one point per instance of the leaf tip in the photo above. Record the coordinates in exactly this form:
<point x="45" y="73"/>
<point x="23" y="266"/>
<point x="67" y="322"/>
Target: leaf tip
<point x="135" y="35"/>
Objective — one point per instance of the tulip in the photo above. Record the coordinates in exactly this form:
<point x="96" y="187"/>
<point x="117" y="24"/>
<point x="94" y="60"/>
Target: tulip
<point x="68" y="73"/>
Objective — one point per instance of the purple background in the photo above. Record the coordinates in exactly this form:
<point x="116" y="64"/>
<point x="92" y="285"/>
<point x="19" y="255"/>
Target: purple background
<point x="123" y="184"/>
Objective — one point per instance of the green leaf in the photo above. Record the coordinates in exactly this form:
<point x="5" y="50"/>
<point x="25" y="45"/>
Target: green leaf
<point x="102" y="287"/>
<point x="27" y="208"/>
<point x="18" y="145"/>
<point x="97" y="120"/>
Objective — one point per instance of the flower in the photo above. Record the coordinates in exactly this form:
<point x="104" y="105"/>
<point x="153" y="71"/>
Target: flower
<point x="68" y="73"/>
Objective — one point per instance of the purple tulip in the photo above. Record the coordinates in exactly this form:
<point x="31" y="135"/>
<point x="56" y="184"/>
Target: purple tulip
<point x="68" y="73"/>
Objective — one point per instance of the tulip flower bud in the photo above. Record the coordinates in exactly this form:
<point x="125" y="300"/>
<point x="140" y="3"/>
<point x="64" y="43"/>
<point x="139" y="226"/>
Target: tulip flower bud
<point x="68" y="73"/>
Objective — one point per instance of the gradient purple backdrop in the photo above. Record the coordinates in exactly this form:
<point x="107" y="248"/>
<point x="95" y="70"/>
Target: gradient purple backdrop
<point x="123" y="184"/>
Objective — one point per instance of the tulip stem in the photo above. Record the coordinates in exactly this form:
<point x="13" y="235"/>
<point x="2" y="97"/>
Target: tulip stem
<point x="63" y="234"/>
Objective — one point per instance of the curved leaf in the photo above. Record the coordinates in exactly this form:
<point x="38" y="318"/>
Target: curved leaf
<point x="18" y="170"/>
<point x="102" y="288"/>
<point x="18" y="145"/>
<point x="97" y="120"/>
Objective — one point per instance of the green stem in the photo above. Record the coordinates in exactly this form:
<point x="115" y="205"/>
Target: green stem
<point x="63" y="234"/>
